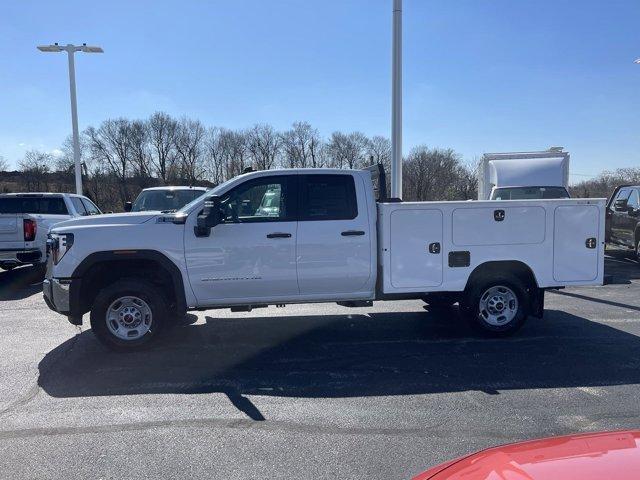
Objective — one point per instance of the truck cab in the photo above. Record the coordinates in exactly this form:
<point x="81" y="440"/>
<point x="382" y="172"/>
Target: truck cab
<point x="623" y="218"/>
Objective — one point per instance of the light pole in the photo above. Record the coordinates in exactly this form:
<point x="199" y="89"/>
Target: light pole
<point x="396" y="102"/>
<point x="71" y="50"/>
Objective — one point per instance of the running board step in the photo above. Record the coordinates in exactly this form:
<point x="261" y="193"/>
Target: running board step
<point x="246" y="308"/>
<point x="356" y="303"/>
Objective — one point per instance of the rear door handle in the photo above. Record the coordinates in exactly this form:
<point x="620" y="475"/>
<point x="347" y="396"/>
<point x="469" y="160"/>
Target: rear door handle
<point x="278" y="235"/>
<point x="352" y="233"/>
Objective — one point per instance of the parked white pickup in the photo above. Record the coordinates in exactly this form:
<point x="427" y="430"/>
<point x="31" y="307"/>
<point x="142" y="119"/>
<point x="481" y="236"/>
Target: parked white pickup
<point x="25" y="219"/>
<point x="324" y="238"/>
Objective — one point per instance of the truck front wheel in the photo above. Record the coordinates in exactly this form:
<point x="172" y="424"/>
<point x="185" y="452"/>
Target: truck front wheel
<point x="127" y="314"/>
<point x="498" y="307"/>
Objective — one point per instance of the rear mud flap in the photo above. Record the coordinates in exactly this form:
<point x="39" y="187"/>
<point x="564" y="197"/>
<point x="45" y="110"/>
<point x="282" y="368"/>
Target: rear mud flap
<point x="537" y="303"/>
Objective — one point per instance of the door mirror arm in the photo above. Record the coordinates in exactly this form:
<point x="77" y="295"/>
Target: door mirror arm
<point x="209" y="217"/>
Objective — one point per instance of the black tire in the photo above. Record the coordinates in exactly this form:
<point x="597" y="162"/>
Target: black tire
<point x="132" y="288"/>
<point x="440" y="300"/>
<point x="638" y="250"/>
<point x="475" y="306"/>
<point x="40" y="269"/>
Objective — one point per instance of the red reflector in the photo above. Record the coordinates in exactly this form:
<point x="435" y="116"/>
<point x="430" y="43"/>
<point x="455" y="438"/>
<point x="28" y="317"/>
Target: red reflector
<point x="30" y="228"/>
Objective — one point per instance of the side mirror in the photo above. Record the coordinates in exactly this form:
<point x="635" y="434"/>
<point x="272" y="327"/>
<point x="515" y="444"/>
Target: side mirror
<point x="128" y="206"/>
<point x="632" y="211"/>
<point x="620" y="205"/>
<point x="209" y="217"/>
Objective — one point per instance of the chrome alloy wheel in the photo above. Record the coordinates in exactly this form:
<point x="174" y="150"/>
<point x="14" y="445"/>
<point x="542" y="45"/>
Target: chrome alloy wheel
<point x="498" y="305"/>
<point x="129" y="318"/>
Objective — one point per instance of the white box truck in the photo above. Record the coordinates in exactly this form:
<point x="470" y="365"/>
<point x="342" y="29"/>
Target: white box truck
<point x="524" y="175"/>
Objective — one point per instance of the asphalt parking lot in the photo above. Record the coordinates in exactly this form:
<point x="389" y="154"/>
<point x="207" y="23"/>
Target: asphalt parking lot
<point x="313" y="391"/>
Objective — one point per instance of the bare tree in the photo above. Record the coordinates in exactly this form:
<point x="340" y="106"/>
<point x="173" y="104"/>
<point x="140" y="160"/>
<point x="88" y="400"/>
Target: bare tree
<point x="138" y="137"/>
<point x="347" y="150"/>
<point x="215" y="156"/>
<point x="4" y="165"/>
<point x="66" y="162"/>
<point x="235" y="151"/>
<point x="35" y="168"/>
<point x="110" y="144"/>
<point x="379" y="148"/>
<point x="263" y="144"/>
<point x="190" y="146"/>
<point x="162" y="131"/>
<point x="302" y="146"/>
<point x="436" y="174"/>
<point x="603" y="185"/>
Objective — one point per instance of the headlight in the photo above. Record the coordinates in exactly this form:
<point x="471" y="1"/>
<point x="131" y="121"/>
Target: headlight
<point x="58" y="244"/>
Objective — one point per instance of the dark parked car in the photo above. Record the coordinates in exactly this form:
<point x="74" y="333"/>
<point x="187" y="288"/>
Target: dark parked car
<point x="623" y="218"/>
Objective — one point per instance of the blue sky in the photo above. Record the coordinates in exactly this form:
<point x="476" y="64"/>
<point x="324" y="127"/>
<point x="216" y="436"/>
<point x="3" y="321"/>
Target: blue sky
<point x="479" y="75"/>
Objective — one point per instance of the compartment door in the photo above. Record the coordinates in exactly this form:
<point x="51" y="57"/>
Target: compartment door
<point x="575" y="258"/>
<point x="416" y="248"/>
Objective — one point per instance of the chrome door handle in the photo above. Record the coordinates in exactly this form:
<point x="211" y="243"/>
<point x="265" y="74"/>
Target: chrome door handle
<point x="278" y="235"/>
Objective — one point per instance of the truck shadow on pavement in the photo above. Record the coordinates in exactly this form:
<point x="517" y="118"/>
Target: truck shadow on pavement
<point x="345" y="356"/>
<point x="620" y="268"/>
<point x="20" y="283"/>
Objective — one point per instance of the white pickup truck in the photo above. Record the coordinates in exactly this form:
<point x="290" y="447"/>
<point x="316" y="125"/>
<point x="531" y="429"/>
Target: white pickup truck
<point x="25" y="219"/>
<point x="323" y="238"/>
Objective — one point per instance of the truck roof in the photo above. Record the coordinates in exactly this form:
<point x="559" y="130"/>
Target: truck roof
<point x="176" y="187"/>
<point x="40" y="194"/>
<point x="553" y="152"/>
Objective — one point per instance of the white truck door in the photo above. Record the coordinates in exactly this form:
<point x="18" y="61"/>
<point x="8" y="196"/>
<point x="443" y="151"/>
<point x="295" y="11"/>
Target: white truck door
<point x="334" y="244"/>
<point x="252" y="253"/>
<point x="576" y="243"/>
<point x="416" y="248"/>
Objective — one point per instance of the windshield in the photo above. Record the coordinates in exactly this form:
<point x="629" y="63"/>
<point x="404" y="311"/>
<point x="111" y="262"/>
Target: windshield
<point x="164" y="200"/>
<point x="213" y="191"/>
<point x="529" y="193"/>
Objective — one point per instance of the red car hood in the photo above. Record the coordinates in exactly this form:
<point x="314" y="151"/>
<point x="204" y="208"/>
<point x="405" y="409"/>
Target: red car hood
<point x="592" y="456"/>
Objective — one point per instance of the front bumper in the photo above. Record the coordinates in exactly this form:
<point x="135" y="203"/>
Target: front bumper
<point x="56" y="294"/>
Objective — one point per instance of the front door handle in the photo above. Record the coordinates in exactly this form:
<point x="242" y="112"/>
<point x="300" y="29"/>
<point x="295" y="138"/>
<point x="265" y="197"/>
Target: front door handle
<point x="278" y="235"/>
<point x="352" y="233"/>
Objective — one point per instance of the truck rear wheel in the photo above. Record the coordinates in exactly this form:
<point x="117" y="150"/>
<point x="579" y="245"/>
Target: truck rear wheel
<point x="127" y="314"/>
<point x="497" y="307"/>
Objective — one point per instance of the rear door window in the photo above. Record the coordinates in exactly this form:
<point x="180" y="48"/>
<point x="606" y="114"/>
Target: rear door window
<point x="9" y="205"/>
<point x="44" y="205"/>
<point x="79" y="206"/>
<point x="634" y="199"/>
<point x="328" y="197"/>
<point x="91" y="207"/>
